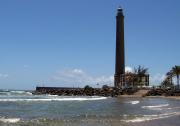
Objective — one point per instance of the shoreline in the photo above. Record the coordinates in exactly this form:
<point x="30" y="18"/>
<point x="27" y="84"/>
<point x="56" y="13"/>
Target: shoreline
<point x="169" y="97"/>
<point x="138" y="96"/>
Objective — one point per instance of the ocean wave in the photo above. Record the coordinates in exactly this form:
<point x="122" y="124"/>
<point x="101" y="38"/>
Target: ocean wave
<point x="172" y="108"/>
<point x="29" y="93"/>
<point x="133" y="102"/>
<point x="5" y="93"/>
<point x="152" y="117"/>
<point x="21" y="92"/>
<point x="54" y="99"/>
<point x="156" y="106"/>
<point x="52" y="95"/>
<point x="9" y="93"/>
<point x="18" y="92"/>
<point x="9" y="120"/>
<point x="4" y="90"/>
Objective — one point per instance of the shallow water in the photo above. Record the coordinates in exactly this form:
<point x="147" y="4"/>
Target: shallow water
<point x="21" y="108"/>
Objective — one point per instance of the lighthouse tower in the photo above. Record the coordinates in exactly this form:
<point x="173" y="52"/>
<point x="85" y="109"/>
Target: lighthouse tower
<point x="119" y="76"/>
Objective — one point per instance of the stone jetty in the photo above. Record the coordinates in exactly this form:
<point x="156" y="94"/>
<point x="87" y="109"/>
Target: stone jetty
<point x="86" y="91"/>
<point x="163" y="92"/>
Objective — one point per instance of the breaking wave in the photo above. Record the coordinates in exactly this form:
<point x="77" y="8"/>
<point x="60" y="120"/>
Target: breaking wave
<point x="56" y="99"/>
<point x="133" y="102"/>
<point x="21" y="92"/>
<point x="8" y="92"/>
<point x="152" y="117"/>
<point x="9" y="120"/>
<point x="156" y="106"/>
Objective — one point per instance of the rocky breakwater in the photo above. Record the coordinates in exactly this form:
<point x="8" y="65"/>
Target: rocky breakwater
<point x="86" y="91"/>
<point x="163" y="92"/>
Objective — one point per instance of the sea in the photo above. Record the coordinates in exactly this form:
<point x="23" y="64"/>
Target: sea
<point x="22" y="108"/>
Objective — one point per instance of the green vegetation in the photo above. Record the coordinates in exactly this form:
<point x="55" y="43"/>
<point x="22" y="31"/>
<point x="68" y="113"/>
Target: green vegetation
<point x="139" y="77"/>
<point x="140" y="71"/>
<point x="168" y="81"/>
<point x="176" y="72"/>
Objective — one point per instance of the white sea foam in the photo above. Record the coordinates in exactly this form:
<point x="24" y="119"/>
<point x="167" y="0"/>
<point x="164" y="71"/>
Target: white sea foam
<point x="21" y="92"/>
<point x="52" y="95"/>
<point x="9" y="120"/>
<point x="29" y="93"/>
<point x="133" y="102"/>
<point x="156" y="106"/>
<point x="152" y="117"/>
<point x="138" y="119"/>
<point x="55" y="99"/>
<point x="158" y="109"/>
<point x="172" y="108"/>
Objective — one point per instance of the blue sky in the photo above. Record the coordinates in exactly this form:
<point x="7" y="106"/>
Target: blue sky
<point x="72" y="43"/>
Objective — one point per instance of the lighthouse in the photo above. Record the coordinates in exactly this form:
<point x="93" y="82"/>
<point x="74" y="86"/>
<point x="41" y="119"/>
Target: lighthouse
<point x="119" y="76"/>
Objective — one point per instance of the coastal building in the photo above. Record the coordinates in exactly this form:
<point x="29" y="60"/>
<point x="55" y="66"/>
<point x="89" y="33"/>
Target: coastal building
<point x="136" y="80"/>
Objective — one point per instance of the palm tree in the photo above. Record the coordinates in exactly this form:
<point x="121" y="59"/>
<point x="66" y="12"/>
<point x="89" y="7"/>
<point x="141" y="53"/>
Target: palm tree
<point x="140" y="72"/>
<point x="169" y="75"/>
<point x="176" y="72"/>
<point x="166" y="83"/>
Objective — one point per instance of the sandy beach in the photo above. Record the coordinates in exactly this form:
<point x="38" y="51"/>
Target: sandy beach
<point x="142" y="93"/>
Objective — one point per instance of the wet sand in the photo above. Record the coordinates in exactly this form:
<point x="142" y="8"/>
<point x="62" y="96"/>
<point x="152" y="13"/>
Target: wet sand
<point x="139" y="96"/>
<point x="172" y="121"/>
